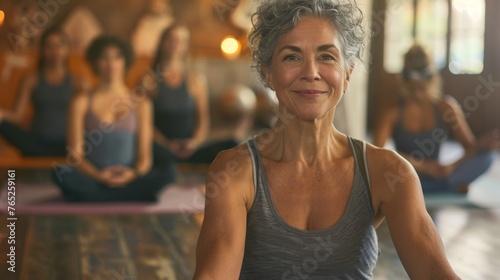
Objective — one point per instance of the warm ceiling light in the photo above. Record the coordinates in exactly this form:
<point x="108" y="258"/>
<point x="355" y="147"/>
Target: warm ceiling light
<point x="2" y="17"/>
<point x="230" y="47"/>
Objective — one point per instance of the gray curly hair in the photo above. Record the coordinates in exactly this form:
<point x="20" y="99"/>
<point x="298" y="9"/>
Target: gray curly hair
<point x="275" y="18"/>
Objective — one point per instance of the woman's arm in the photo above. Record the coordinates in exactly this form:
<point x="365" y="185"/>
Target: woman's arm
<point x="220" y="249"/>
<point x="397" y="194"/>
<point x="28" y="84"/>
<point x="198" y="88"/>
<point x="145" y="137"/>
<point x="454" y="118"/>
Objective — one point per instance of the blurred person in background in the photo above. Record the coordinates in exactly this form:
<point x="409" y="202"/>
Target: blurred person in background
<point x="110" y="135"/>
<point x="50" y="89"/>
<point x="181" y="104"/>
<point x="421" y="119"/>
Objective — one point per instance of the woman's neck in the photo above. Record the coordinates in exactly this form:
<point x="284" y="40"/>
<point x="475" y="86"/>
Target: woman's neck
<point x="420" y="98"/>
<point x="112" y="86"/>
<point x="175" y="65"/>
<point x="54" y="68"/>
<point x="310" y="142"/>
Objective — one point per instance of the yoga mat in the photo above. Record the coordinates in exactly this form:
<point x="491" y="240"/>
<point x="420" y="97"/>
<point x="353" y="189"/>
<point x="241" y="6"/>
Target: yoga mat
<point x="46" y="199"/>
<point x="485" y="192"/>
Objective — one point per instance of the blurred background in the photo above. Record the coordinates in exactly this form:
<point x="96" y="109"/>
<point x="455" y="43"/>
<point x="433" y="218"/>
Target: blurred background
<point x="461" y="34"/>
<point x="157" y="241"/>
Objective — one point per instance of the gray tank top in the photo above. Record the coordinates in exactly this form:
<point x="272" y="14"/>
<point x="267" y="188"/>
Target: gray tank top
<point x="109" y="144"/>
<point x="276" y="250"/>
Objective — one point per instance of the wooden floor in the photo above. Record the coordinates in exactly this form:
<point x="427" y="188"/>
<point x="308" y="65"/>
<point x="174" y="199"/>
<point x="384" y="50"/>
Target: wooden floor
<point x="132" y="247"/>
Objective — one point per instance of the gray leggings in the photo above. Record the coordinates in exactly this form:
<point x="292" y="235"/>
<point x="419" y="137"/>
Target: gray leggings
<point x="465" y="174"/>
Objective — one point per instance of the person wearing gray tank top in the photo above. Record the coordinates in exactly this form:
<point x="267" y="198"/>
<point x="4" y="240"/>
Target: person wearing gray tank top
<point x="110" y="136"/>
<point x="302" y="200"/>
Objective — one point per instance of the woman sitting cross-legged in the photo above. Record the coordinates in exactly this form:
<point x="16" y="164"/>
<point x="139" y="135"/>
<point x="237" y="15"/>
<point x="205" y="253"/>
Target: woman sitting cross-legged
<point x="49" y="90"/>
<point x="110" y="135"/>
<point x="421" y="120"/>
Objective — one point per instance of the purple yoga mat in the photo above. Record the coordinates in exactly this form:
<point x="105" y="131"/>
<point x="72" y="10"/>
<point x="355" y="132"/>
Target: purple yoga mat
<point x="46" y="199"/>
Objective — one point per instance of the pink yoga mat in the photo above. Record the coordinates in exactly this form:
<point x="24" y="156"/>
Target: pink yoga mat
<point x="46" y="199"/>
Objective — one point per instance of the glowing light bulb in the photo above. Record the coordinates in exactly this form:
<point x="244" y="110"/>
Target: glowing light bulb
<point x="2" y="17"/>
<point x="230" y="47"/>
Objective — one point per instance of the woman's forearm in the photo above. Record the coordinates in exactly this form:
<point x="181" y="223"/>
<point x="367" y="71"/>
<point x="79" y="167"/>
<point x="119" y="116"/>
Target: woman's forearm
<point x="160" y="138"/>
<point x="89" y="169"/>
<point x="11" y="116"/>
<point x="469" y="152"/>
<point x="201" y="132"/>
<point x="142" y="166"/>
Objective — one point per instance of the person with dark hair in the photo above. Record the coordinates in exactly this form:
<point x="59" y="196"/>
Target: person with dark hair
<point x="421" y="119"/>
<point x="110" y="135"/>
<point x="49" y="89"/>
<point x="303" y="200"/>
<point x="181" y="109"/>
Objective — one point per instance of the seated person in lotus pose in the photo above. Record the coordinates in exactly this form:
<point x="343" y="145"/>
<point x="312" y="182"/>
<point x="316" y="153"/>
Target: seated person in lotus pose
<point x="303" y="200"/>
<point x="49" y="89"/>
<point x="181" y="109"/>
<point x="421" y="119"/>
<point x="110" y="135"/>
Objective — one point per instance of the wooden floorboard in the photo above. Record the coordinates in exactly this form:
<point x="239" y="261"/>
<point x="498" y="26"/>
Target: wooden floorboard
<point x="471" y="237"/>
<point x="150" y="247"/>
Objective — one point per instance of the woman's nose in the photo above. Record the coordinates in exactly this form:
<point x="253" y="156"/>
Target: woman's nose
<point x="310" y="71"/>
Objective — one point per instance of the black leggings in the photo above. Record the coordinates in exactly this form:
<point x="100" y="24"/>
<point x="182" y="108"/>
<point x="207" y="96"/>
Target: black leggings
<point x="28" y="144"/>
<point x="205" y="154"/>
<point x="78" y="187"/>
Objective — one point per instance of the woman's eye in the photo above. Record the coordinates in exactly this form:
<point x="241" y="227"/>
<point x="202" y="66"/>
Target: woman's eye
<point x="327" y="57"/>
<point x="290" y="58"/>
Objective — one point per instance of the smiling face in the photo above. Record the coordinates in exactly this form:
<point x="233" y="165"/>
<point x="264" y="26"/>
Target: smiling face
<point x="176" y="44"/>
<point x="308" y="70"/>
<point x="111" y="63"/>
<point x="55" y="49"/>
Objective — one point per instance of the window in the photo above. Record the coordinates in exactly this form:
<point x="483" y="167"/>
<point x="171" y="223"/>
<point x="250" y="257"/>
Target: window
<point x="467" y="36"/>
<point x="432" y="28"/>
<point x="398" y="33"/>
<point x="426" y="22"/>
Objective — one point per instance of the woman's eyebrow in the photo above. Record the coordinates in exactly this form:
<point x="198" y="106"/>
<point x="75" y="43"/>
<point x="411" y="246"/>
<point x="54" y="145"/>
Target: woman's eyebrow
<point x="320" y="48"/>
<point x="326" y="47"/>
<point x="291" y="47"/>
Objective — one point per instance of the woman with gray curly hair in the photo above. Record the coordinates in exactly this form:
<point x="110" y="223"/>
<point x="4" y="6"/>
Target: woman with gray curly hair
<point x="302" y="200"/>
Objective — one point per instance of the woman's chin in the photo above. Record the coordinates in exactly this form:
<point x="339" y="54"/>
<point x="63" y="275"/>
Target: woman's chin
<point x="311" y="115"/>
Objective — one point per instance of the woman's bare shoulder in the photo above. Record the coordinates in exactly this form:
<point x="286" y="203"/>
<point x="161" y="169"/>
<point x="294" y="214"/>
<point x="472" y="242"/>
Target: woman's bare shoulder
<point x="387" y="169"/>
<point x="389" y="172"/>
<point x="231" y="172"/>
<point x="80" y="99"/>
<point x="235" y="161"/>
<point x="31" y="79"/>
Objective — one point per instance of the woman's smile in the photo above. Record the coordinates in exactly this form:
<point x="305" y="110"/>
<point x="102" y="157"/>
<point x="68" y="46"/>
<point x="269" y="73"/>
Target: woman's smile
<point x="310" y="93"/>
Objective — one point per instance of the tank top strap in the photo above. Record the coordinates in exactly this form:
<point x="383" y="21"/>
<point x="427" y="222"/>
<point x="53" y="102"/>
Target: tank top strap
<point x="256" y="163"/>
<point x="359" y="152"/>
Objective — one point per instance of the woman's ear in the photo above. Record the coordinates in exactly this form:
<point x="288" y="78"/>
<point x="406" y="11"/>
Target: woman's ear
<point x="347" y="78"/>
<point x="268" y="76"/>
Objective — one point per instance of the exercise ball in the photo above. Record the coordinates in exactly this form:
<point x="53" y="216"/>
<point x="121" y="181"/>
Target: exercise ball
<point x="236" y="102"/>
<point x="267" y="107"/>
